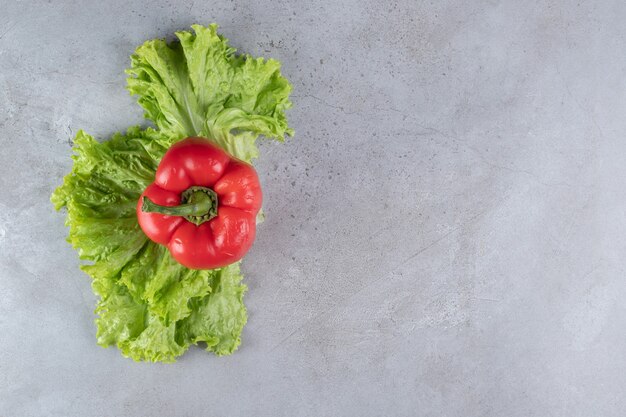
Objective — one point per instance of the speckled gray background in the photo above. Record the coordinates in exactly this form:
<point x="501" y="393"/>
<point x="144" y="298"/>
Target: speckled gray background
<point x="445" y="234"/>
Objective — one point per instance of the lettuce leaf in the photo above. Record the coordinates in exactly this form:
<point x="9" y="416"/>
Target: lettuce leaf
<point x="198" y="86"/>
<point x="144" y="292"/>
<point x="218" y="319"/>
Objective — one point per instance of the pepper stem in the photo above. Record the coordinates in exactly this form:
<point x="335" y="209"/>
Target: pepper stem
<point x="199" y="205"/>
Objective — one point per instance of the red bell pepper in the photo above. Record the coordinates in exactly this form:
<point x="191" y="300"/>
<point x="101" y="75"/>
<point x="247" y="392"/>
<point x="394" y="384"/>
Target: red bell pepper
<point x="202" y="205"/>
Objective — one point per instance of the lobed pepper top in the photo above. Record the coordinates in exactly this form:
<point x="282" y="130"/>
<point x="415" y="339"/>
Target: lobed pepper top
<point x="216" y="223"/>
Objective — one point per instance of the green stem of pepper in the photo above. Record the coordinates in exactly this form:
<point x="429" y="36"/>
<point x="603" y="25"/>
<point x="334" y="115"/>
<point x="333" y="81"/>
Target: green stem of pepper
<point x="199" y="205"/>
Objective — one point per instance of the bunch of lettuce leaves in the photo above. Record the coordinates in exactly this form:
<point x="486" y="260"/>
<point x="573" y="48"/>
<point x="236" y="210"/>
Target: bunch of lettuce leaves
<point x="150" y="306"/>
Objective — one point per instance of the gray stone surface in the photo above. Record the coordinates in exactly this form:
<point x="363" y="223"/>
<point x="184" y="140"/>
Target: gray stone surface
<point x="445" y="234"/>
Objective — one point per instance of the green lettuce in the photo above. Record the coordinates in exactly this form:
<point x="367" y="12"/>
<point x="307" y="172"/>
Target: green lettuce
<point x="151" y="307"/>
<point x="200" y="87"/>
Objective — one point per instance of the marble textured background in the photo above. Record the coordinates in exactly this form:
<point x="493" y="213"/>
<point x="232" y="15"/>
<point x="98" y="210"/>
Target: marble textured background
<point x="445" y="234"/>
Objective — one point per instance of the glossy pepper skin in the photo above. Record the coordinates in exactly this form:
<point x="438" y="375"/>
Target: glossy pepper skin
<point x="202" y="205"/>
